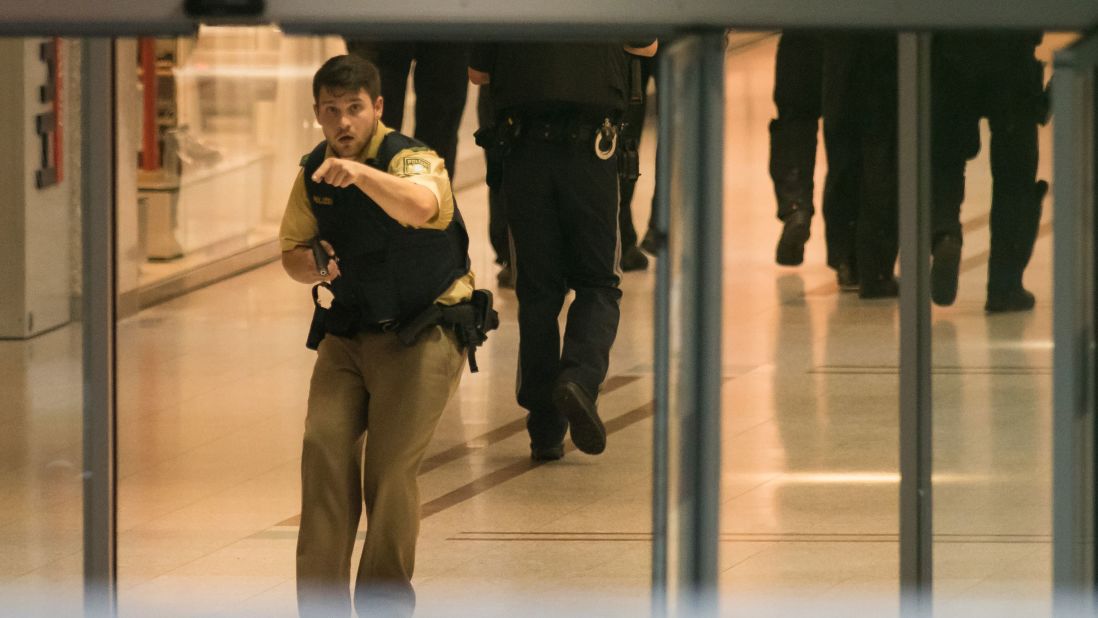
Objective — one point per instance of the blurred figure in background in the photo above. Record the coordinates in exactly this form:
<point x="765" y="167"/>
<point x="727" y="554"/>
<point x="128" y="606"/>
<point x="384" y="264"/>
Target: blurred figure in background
<point x="998" y="77"/>
<point x="498" y="234"/>
<point x="860" y="195"/>
<point x="440" y="82"/>
<point x="642" y="70"/>
<point x="797" y="92"/>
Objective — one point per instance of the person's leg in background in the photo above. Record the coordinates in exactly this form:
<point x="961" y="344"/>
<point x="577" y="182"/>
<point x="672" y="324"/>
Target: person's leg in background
<point x="534" y="219"/>
<point x="632" y="258"/>
<point x="842" y="143"/>
<point x="878" y="212"/>
<point x="588" y="193"/>
<point x="651" y="241"/>
<point x="393" y="61"/>
<point x="1016" y="194"/>
<point x="497" y="213"/>
<point x="797" y="94"/>
<point x="442" y="84"/>
<point x="955" y="139"/>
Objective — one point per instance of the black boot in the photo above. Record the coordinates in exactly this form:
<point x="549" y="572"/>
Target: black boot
<point x="1012" y="244"/>
<point x="1011" y="299"/>
<point x="792" y="163"/>
<point x="633" y="258"/>
<point x="945" y="268"/>
<point x="796" y="228"/>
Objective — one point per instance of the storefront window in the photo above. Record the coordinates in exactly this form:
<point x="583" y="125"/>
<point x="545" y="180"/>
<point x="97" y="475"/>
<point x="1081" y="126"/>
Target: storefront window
<point x="215" y="126"/>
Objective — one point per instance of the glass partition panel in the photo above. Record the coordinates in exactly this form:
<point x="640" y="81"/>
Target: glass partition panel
<point x="211" y="127"/>
<point x="41" y="363"/>
<point x="991" y="281"/>
<point x="214" y="385"/>
<point x="810" y="398"/>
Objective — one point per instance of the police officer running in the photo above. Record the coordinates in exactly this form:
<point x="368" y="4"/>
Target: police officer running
<point x="559" y="105"/>
<point x="379" y="209"/>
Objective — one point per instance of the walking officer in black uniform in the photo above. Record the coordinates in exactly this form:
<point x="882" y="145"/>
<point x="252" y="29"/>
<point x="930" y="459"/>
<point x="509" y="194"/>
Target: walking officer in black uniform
<point x="797" y="93"/>
<point x="993" y="76"/>
<point x="558" y="106"/>
<point x="372" y="218"/>
<point x="860" y="134"/>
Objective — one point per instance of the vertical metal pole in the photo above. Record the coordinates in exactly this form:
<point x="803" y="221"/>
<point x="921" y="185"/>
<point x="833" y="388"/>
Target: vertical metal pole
<point x="1075" y="138"/>
<point x="97" y="221"/>
<point x="701" y="452"/>
<point x="694" y="77"/>
<point x="916" y="438"/>
<point x="661" y="349"/>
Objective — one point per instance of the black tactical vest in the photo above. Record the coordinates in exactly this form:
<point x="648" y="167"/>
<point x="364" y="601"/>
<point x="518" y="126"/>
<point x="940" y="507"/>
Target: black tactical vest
<point x="388" y="271"/>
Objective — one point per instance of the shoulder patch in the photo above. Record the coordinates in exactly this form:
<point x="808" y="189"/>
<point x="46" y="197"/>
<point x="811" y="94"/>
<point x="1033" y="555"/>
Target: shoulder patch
<point x="322" y="201"/>
<point x="416" y="165"/>
<point x="304" y="160"/>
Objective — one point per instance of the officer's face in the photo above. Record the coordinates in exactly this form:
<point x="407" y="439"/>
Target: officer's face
<point x="349" y="120"/>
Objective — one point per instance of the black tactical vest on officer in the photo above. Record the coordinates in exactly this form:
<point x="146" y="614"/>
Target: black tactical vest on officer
<point x="389" y="272"/>
<point x="589" y="76"/>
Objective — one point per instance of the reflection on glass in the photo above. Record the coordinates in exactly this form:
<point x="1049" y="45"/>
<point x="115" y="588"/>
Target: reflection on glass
<point x="992" y="325"/>
<point x="41" y="415"/>
<point x="810" y="460"/>
<point x="215" y="126"/>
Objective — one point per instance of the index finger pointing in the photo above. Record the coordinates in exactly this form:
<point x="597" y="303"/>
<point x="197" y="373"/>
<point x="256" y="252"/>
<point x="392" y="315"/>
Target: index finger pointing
<point x="318" y="175"/>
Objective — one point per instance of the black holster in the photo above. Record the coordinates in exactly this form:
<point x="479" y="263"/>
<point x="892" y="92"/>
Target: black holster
<point x="628" y="161"/>
<point x="498" y="139"/>
<point x="470" y="321"/>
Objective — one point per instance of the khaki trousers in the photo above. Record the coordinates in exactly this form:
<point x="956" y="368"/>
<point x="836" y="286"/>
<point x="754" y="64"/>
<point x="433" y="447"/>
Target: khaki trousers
<point x="374" y="382"/>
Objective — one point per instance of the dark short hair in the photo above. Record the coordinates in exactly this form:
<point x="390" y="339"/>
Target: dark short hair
<point x="347" y="73"/>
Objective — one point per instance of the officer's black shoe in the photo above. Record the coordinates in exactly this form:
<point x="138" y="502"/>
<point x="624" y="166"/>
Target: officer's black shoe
<point x="649" y="243"/>
<point x="547" y="453"/>
<point x="846" y="277"/>
<point x="506" y="276"/>
<point x="1013" y="299"/>
<point x="795" y="231"/>
<point x="588" y="433"/>
<point x="944" y="270"/>
<point x="879" y="288"/>
<point x="633" y="258"/>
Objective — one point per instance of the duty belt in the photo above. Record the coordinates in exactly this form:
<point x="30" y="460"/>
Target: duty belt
<point x="602" y="135"/>
<point x="471" y="321"/>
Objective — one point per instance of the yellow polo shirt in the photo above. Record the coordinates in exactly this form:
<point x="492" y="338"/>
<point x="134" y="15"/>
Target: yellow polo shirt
<point x="423" y="167"/>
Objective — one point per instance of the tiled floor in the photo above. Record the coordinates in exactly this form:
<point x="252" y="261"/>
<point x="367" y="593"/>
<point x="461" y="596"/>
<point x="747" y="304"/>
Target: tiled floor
<point x="212" y="391"/>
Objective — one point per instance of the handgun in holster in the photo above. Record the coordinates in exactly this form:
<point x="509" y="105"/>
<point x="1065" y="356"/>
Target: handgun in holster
<point x="470" y="321"/>
<point x="499" y="138"/>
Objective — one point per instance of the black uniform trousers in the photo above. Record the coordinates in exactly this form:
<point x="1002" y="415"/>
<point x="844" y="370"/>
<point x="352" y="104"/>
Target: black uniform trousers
<point x="562" y="207"/>
<point x="441" y="83"/>
<point x="860" y="136"/>
<point x="798" y="85"/>
<point x="493" y="161"/>
<point x="1007" y="89"/>
<point x="630" y="139"/>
